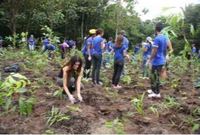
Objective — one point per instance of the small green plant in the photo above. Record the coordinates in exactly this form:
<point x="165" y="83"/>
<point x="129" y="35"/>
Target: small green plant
<point x="116" y="125"/>
<point x="196" y="112"/>
<point x="171" y="102"/>
<point x="126" y="79"/>
<point x="56" y="116"/>
<point x="58" y="93"/>
<point x="175" y="83"/>
<point x="74" y="108"/>
<point x="154" y="109"/>
<point x="26" y="105"/>
<point x="193" y="123"/>
<point x="138" y="104"/>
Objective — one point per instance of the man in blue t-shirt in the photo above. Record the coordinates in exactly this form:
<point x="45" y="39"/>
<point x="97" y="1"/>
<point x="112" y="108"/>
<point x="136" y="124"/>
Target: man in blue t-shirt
<point x="87" y="52"/>
<point x="98" y="46"/>
<point x="158" y="60"/>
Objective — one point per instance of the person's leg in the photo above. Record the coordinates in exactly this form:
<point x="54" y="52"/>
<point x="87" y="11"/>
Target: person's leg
<point x="119" y="72"/>
<point x="87" y="67"/>
<point x="155" y="81"/>
<point x="94" y="67"/>
<point x="114" y="73"/>
<point x="98" y="68"/>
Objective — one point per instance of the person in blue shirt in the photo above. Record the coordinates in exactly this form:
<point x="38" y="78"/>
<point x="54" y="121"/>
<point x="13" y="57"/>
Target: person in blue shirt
<point x="87" y="52"/>
<point x="64" y="47"/>
<point x="120" y="51"/>
<point x="107" y="53"/>
<point x="194" y="50"/>
<point x="51" y="49"/>
<point x="146" y="55"/>
<point x="45" y="42"/>
<point x="157" y="60"/>
<point x="125" y="42"/>
<point x="97" y="46"/>
<point x="31" y="43"/>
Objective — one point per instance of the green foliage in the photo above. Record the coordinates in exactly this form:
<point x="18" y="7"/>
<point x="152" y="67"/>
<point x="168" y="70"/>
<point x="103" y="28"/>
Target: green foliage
<point x="116" y="125"/>
<point x="56" y="116"/>
<point x="138" y="104"/>
<point x="58" y="93"/>
<point x="15" y="85"/>
<point x="126" y="79"/>
<point x="48" y="32"/>
<point x="154" y="109"/>
<point x="26" y="105"/>
<point x="171" y="102"/>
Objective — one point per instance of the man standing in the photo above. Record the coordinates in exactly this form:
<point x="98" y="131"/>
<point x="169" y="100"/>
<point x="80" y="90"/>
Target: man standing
<point x="157" y="60"/>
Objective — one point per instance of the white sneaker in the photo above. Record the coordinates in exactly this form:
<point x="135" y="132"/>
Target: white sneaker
<point x="149" y="91"/>
<point x="153" y="95"/>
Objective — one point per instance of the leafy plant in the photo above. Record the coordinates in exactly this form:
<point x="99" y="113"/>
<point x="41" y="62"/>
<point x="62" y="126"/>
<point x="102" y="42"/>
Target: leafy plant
<point x="193" y="123"/>
<point x="56" y="116"/>
<point x="13" y="84"/>
<point x="154" y="109"/>
<point x="138" y="104"/>
<point x="116" y="125"/>
<point x="126" y="79"/>
<point x="171" y="102"/>
<point x="58" y="93"/>
<point x="26" y="105"/>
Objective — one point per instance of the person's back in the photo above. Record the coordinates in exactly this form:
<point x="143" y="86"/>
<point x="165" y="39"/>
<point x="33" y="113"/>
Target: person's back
<point x="160" y="42"/>
<point x="97" y="45"/>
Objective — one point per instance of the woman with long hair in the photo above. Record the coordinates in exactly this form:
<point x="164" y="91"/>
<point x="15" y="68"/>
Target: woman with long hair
<point x="71" y="74"/>
<point x="120" y="51"/>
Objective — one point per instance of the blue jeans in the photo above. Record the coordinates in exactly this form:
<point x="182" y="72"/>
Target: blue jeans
<point x="96" y="63"/>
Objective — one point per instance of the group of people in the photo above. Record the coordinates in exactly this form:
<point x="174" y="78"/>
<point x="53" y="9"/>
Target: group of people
<point x="48" y="46"/>
<point x="154" y="57"/>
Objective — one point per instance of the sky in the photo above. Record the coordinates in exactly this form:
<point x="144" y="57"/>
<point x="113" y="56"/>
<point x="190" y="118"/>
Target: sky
<point x="155" y="7"/>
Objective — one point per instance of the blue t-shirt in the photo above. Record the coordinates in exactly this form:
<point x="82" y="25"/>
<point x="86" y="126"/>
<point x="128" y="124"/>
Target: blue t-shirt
<point x="96" y="43"/>
<point x="51" y="47"/>
<point x="125" y="42"/>
<point x="31" y="41"/>
<point x="194" y="50"/>
<point x="109" y="45"/>
<point x="136" y="49"/>
<point x="119" y="54"/>
<point x="147" y="54"/>
<point x="88" y="43"/>
<point x="45" y="42"/>
<point x="160" y="42"/>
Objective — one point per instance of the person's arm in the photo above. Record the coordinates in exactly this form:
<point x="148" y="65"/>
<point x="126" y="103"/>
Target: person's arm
<point x="89" y="51"/>
<point x="126" y="55"/>
<point x="78" y="84"/>
<point x="103" y="44"/>
<point x="153" y="53"/>
<point x="169" y="45"/>
<point x="145" y="49"/>
<point x="71" y="98"/>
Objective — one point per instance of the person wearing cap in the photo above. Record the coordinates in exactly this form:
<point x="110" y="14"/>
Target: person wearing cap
<point x="87" y="52"/>
<point x="146" y="55"/>
<point x="98" y="46"/>
<point x="157" y="61"/>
